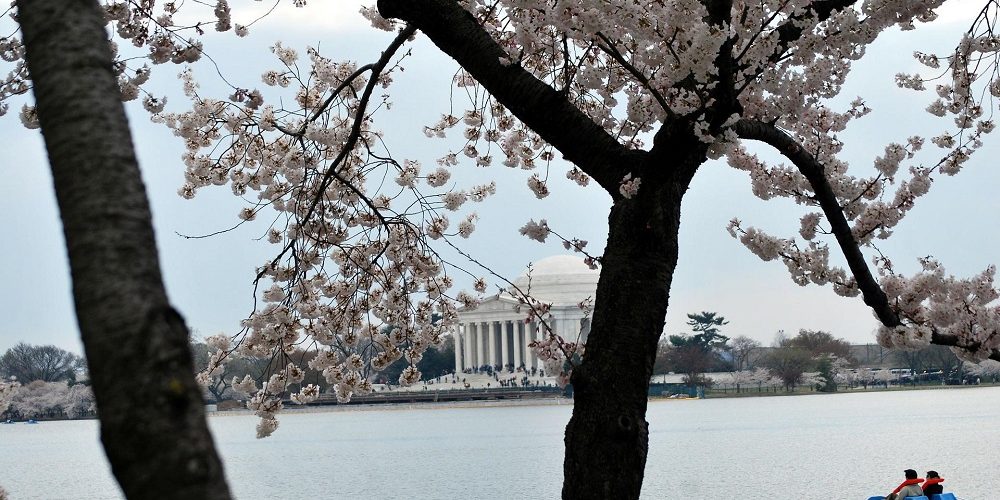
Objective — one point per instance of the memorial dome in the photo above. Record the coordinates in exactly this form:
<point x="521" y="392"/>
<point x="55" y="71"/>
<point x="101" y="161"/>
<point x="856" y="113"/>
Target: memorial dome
<point x="559" y="279"/>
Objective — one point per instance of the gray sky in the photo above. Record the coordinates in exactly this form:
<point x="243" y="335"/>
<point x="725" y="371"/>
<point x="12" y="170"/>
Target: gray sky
<point x="209" y="279"/>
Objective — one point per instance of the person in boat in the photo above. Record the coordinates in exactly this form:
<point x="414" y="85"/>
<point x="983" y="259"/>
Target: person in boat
<point x="908" y="488"/>
<point x="933" y="484"/>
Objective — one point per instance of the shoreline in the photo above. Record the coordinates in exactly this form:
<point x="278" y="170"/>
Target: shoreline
<point x="559" y="401"/>
<point x="754" y="394"/>
<point x="293" y="409"/>
<point x="430" y="405"/>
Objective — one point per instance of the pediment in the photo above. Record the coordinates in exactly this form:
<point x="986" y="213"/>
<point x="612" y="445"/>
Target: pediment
<point x="494" y="303"/>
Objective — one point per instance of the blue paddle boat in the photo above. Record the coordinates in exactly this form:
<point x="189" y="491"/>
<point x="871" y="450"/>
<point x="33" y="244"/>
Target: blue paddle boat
<point x="942" y="496"/>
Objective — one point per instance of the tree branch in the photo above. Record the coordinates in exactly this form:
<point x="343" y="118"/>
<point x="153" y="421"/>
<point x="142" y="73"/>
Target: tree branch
<point x="790" y="31"/>
<point x="547" y="111"/>
<point x="953" y="341"/>
<point x="355" y="135"/>
<point x="610" y="49"/>
<point x="813" y="170"/>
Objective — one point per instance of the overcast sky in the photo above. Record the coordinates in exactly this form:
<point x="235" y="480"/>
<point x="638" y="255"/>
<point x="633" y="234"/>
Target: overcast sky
<point x="209" y="279"/>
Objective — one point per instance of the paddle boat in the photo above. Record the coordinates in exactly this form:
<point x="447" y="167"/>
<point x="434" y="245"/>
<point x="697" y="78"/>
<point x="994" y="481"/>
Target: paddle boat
<point x="940" y="496"/>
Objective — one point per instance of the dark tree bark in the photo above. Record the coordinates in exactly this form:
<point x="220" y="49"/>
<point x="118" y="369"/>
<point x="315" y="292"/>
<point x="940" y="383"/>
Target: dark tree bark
<point x="152" y="417"/>
<point x="607" y="437"/>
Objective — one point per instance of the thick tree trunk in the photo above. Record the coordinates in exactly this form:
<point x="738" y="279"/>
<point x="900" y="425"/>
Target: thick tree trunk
<point x="607" y="438"/>
<point x="152" y="417"/>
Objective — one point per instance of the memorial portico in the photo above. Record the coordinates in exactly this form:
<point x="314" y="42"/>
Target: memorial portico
<point x="497" y="334"/>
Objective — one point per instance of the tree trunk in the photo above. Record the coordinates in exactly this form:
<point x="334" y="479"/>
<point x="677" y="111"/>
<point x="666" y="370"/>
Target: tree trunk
<point x="608" y="437"/>
<point x="152" y="417"/>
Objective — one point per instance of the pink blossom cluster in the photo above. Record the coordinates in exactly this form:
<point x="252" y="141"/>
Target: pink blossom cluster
<point x="540" y="231"/>
<point x="629" y="186"/>
<point x="810" y="264"/>
<point x="353" y="272"/>
<point x="266" y="401"/>
<point x="537" y="231"/>
<point x="932" y="302"/>
<point x="144" y="30"/>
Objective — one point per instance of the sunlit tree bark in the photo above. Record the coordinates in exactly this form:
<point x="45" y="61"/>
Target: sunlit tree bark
<point x="152" y="418"/>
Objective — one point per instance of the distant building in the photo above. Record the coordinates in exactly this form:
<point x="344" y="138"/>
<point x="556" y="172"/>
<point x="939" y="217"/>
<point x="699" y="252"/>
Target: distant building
<point x="496" y="334"/>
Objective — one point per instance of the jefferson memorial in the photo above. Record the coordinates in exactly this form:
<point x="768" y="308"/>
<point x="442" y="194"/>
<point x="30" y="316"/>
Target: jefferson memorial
<point x="496" y="334"/>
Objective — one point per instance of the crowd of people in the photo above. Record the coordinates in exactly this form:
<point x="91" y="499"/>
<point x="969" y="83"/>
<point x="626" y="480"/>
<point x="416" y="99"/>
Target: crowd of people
<point x="493" y="370"/>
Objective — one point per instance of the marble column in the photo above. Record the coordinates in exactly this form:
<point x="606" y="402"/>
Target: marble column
<point x="458" y="349"/>
<point x="517" y="344"/>
<point x="480" y="340"/>
<point x="505" y="344"/>
<point x="491" y="329"/>
<point x="531" y="335"/>
<point x="468" y="345"/>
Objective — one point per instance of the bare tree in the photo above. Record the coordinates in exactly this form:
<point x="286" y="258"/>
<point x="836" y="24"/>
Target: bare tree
<point x="818" y="343"/>
<point x="788" y="364"/>
<point x="743" y="350"/>
<point x="46" y="363"/>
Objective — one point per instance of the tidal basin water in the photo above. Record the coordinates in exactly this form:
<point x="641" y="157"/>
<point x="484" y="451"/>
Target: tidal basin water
<point x="823" y="447"/>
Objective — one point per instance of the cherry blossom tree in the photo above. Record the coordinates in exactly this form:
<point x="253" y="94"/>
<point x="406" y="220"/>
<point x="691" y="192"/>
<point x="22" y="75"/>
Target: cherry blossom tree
<point x="742" y="378"/>
<point x="637" y="96"/>
<point x="744" y="351"/>
<point x="8" y="389"/>
<point x="987" y="369"/>
<point x="52" y="400"/>
<point x="40" y="399"/>
<point x="763" y="377"/>
<point x="866" y="376"/>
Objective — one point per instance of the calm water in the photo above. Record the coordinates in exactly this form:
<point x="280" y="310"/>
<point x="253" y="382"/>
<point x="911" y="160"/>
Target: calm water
<point x="843" y="446"/>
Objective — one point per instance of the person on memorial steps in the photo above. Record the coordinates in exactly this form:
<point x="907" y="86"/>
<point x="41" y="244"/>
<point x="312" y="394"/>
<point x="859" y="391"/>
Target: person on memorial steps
<point x="908" y="488"/>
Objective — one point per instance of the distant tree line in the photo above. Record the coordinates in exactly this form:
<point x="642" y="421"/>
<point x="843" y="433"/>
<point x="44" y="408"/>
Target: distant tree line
<point x="50" y="382"/>
<point x="44" y="382"/>
<point x="812" y="358"/>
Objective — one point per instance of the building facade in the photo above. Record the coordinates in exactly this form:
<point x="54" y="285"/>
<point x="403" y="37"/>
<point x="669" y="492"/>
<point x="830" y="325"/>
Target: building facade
<point x="496" y="333"/>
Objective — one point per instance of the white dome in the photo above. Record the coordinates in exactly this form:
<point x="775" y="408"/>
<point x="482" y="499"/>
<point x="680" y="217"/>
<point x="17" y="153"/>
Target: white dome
<point x="560" y="279"/>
